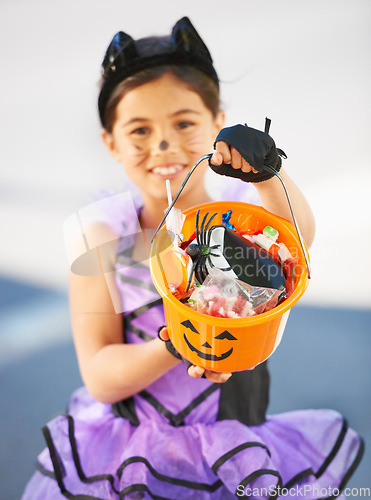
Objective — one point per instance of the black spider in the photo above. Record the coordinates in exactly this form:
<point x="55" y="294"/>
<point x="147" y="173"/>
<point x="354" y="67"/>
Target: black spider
<point x="247" y="261"/>
<point x="201" y="251"/>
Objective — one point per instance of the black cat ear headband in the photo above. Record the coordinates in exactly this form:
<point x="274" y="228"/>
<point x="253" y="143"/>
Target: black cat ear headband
<point x="122" y="58"/>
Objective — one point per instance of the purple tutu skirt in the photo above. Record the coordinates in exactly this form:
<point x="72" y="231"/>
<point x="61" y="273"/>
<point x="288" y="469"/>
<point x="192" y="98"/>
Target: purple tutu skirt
<point x="91" y="454"/>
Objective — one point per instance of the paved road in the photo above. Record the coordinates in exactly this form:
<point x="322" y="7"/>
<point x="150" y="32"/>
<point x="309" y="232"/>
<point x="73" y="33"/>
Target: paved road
<point x="323" y="361"/>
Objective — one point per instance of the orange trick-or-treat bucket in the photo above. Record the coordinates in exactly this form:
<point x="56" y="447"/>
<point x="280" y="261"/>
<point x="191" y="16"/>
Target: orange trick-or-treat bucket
<point x="217" y="343"/>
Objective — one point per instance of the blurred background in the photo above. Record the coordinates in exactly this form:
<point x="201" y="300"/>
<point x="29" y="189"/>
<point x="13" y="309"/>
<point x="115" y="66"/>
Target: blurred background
<point x="303" y="63"/>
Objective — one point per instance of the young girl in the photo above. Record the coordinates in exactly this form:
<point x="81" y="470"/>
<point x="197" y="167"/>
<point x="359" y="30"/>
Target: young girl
<point x="144" y="426"/>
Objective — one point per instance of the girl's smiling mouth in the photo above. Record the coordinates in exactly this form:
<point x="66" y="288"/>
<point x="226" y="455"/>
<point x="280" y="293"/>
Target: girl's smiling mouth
<point x="167" y="171"/>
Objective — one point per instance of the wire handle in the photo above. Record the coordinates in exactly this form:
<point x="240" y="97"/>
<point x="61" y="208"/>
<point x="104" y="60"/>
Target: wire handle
<point x="205" y="157"/>
<point x="265" y="167"/>
<point x="306" y="257"/>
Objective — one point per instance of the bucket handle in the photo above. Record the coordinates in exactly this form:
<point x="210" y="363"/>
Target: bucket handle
<point x="265" y="167"/>
<point x="306" y="257"/>
<point x="205" y="157"/>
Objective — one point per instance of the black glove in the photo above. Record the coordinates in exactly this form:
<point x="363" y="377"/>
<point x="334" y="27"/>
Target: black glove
<point x="256" y="147"/>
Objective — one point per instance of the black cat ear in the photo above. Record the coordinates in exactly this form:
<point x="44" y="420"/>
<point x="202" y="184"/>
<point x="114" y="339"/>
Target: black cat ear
<point x="120" y="51"/>
<point x="185" y="36"/>
<point x="122" y="58"/>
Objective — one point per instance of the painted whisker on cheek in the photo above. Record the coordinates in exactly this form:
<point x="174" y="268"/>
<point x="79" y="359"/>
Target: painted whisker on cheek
<point x="197" y="146"/>
<point x="140" y="158"/>
<point x="138" y="165"/>
<point x="198" y="152"/>
<point x="195" y="140"/>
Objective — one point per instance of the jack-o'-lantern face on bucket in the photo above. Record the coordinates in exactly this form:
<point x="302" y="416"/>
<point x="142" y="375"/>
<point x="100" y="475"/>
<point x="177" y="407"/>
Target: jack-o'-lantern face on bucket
<point x="210" y="341"/>
<point x="206" y="353"/>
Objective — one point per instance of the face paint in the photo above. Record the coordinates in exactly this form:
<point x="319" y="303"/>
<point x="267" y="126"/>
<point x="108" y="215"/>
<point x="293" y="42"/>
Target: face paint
<point x="163" y="146"/>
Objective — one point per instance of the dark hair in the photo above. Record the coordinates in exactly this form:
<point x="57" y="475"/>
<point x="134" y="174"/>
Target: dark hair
<point x="195" y="79"/>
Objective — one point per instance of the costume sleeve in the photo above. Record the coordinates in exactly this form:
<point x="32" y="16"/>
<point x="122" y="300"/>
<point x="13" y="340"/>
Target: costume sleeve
<point x="118" y="211"/>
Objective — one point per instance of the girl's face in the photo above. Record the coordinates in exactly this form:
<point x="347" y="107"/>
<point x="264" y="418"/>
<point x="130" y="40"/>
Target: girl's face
<point x="161" y="129"/>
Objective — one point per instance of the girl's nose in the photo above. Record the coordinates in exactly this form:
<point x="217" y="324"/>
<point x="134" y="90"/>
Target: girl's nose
<point x="164" y="140"/>
<point x="163" y="146"/>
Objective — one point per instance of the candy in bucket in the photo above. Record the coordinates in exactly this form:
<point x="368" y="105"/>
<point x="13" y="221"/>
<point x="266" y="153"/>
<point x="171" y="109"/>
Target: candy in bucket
<point x="226" y="343"/>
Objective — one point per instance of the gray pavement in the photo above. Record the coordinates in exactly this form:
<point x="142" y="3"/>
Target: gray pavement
<point x="322" y="362"/>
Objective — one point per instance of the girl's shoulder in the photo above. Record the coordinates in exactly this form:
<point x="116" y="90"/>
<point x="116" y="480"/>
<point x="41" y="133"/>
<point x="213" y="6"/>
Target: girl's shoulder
<point x="95" y="232"/>
<point x="117" y="210"/>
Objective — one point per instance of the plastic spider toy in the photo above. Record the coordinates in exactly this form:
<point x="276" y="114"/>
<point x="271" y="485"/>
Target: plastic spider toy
<point x="201" y="251"/>
<point x="220" y="247"/>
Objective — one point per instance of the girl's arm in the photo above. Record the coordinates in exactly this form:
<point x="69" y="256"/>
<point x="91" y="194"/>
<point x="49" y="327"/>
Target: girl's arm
<point x="110" y="369"/>
<point x="273" y="198"/>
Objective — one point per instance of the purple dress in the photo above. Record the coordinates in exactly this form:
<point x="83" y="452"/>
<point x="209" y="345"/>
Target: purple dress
<point x="185" y="438"/>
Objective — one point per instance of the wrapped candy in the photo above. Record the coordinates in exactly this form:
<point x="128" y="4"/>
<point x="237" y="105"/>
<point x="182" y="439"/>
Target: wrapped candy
<point x="225" y="297"/>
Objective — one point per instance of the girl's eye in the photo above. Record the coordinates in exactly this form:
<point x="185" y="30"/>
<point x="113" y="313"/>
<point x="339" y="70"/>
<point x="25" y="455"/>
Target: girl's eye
<point x="140" y="131"/>
<point x="184" y="124"/>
